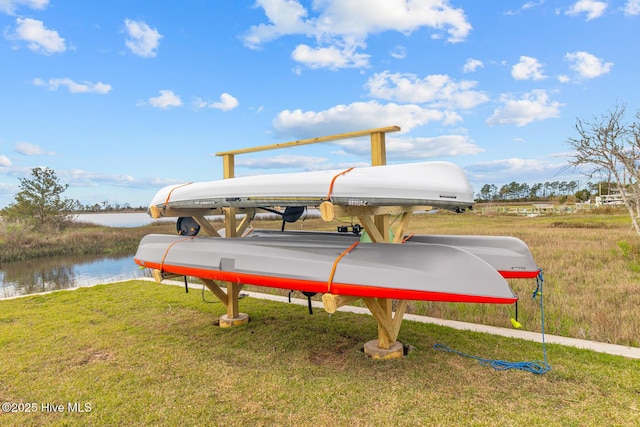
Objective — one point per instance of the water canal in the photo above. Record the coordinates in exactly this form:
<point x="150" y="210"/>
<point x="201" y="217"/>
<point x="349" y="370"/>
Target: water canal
<point x="70" y="272"/>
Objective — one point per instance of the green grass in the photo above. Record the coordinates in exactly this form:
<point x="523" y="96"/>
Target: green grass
<point x="146" y="354"/>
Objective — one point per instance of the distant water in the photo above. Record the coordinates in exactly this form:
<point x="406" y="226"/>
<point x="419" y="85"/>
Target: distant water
<point x="120" y="219"/>
<point x="65" y="272"/>
<point x="70" y="272"/>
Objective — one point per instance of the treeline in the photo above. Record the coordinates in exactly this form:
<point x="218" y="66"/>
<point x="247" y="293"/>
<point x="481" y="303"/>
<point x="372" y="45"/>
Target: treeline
<point x="106" y="206"/>
<point x="521" y="192"/>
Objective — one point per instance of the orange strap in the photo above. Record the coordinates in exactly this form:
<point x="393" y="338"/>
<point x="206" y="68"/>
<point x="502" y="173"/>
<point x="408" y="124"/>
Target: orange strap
<point x="335" y="265"/>
<point x="166" y="202"/>
<point x="334" y="180"/>
<point x="169" y="247"/>
<point x="408" y="237"/>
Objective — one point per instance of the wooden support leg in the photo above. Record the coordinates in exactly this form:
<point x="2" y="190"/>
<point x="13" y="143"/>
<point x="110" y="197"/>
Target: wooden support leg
<point x="246" y="221"/>
<point x="230" y="300"/>
<point x="370" y="227"/>
<point x="386" y="346"/>
<point x="399" y="231"/>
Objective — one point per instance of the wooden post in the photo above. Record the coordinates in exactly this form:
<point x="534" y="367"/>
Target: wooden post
<point x="378" y="149"/>
<point x="228" y="171"/>
<point x="233" y="317"/>
<point x="381" y="222"/>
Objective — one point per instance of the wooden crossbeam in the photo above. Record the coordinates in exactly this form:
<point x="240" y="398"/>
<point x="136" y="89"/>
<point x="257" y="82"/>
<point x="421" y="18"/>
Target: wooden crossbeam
<point x="388" y="324"/>
<point x="206" y="225"/>
<point x="372" y="132"/>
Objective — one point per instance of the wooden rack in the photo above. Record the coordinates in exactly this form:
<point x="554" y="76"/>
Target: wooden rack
<point x="374" y="220"/>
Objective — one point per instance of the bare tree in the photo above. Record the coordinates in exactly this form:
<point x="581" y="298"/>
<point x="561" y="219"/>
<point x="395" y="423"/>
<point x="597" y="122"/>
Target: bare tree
<point x="609" y="146"/>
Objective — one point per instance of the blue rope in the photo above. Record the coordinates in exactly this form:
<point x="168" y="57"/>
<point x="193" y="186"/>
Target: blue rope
<point x="502" y="365"/>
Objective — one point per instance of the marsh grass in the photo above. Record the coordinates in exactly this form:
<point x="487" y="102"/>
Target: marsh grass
<point x="19" y="242"/>
<point x="146" y="354"/>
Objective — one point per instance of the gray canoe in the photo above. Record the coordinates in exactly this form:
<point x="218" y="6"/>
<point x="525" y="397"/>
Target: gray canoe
<point x="510" y="256"/>
<point x="425" y="271"/>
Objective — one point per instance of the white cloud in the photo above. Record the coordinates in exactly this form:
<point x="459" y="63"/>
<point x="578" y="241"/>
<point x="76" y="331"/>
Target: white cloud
<point x="10" y="6"/>
<point x="472" y="65"/>
<point x="358" y="115"/>
<point x="416" y="148"/>
<point x="515" y="169"/>
<point x="39" y="39"/>
<point x="73" y="87"/>
<point x="436" y="90"/>
<point x="632" y="7"/>
<point x="528" y="5"/>
<point x="165" y="100"/>
<point x="533" y="106"/>
<point x="592" y="8"/>
<point x="142" y="40"/>
<point x="284" y="162"/>
<point x="340" y="27"/>
<point x="398" y="52"/>
<point x="227" y="103"/>
<point x="5" y="162"/>
<point x="83" y="178"/>
<point x="286" y="17"/>
<point x="331" y="57"/>
<point x="587" y="65"/>
<point x="527" y="69"/>
<point x="29" y="149"/>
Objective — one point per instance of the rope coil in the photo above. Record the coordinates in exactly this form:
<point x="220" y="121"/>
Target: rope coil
<point x="537" y="367"/>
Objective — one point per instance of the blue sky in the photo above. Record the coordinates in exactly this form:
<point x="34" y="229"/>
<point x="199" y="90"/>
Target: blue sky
<point x="121" y="98"/>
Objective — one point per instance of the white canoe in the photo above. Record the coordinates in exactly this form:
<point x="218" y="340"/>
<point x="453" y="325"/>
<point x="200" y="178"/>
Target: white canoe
<point x="437" y="184"/>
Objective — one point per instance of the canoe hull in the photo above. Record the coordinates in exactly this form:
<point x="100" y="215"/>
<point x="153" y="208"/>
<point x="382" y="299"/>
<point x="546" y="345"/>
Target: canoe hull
<point x="510" y="256"/>
<point x="437" y="184"/>
<point x="426" y="271"/>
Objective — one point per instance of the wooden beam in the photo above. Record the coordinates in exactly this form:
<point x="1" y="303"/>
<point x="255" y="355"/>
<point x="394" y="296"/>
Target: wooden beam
<point x="299" y="142"/>
<point x="217" y="291"/>
<point x="228" y="165"/>
<point x="172" y="212"/>
<point x="381" y="310"/>
<point x="233" y="292"/>
<point x="159" y="275"/>
<point x="345" y="211"/>
<point x="401" y="307"/>
<point x="382" y="224"/>
<point x="372" y="230"/>
<point x="378" y="149"/>
<point x="246" y="221"/>
<point x="332" y="302"/>
<point x="398" y="234"/>
<point x="206" y="225"/>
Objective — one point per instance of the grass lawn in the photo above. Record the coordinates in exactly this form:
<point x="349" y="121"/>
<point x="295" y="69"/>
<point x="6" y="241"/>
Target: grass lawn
<point x="139" y="353"/>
